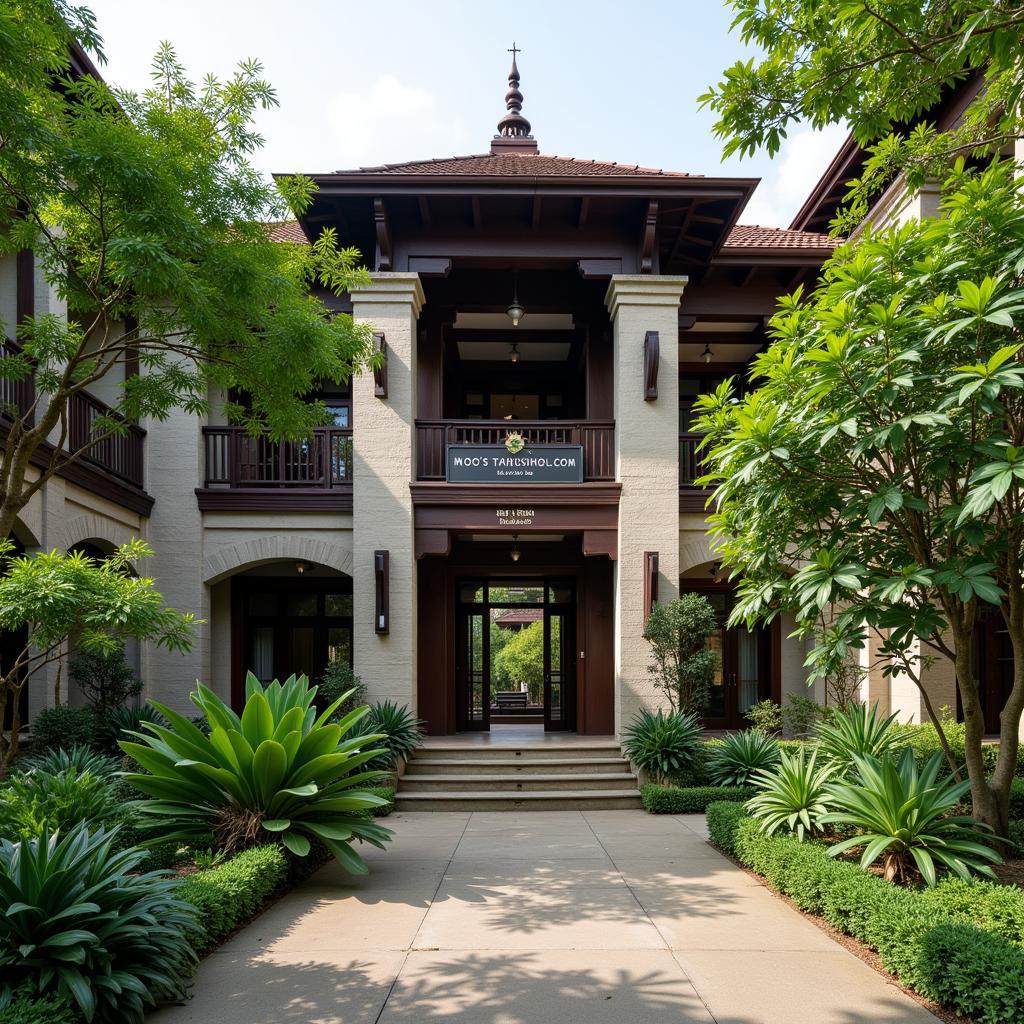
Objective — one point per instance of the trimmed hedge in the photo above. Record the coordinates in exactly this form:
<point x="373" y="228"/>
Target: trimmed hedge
<point x="988" y="905"/>
<point x="723" y="819"/>
<point x="63" y="726"/>
<point x="977" y="973"/>
<point x="228" y="894"/>
<point x="676" y="800"/>
<point x="385" y="793"/>
<point x="26" y="1009"/>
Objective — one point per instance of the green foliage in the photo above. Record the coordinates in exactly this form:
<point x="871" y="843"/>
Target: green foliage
<point x="905" y="817"/>
<point x="282" y="774"/>
<point x="723" y="821"/>
<point x="339" y="682"/>
<point x="387" y="794"/>
<point x="801" y="715"/>
<point x="977" y="973"/>
<point x="118" y="723"/>
<point x="662" y="743"/>
<point x="740" y="756"/>
<point x="520" y="659"/>
<point x="36" y="800"/>
<point x="792" y="794"/>
<point x="857" y="732"/>
<point x="682" y="664"/>
<point x="765" y="716"/>
<point x="399" y="730"/>
<point x="77" y="920"/>
<point x="25" y="1008"/>
<point x="1016" y="834"/>
<point x="64" y="726"/>
<point x="676" y="800"/>
<point x="227" y="895"/>
<point x="877" y="70"/>
<point x="77" y="759"/>
<point x="1017" y="800"/>
<point x="104" y="677"/>
<point x="989" y="906"/>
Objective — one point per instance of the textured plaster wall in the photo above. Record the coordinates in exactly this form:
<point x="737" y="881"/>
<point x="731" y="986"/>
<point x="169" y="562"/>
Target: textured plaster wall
<point x="384" y="454"/>
<point x="647" y="465"/>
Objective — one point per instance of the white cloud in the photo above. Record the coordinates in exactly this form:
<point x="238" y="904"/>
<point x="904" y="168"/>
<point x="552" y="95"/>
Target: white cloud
<point x="390" y="122"/>
<point x="794" y="172"/>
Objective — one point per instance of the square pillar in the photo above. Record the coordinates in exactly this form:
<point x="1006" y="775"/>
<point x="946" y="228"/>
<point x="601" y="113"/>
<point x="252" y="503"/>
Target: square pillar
<point x="647" y="465"/>
<point x="384" y="461"/>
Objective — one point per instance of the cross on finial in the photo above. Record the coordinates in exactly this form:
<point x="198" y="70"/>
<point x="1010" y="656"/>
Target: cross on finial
<point x="514" y="50"/>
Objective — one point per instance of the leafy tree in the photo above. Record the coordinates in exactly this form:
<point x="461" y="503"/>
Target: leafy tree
<point x="880" y="67"/>
<point x="521" y="660"/>
<point x="874" y="481"/>
<point x="58" y="596"/>
<point x="145" y="215"/>
<point x="500" y="637"/>
<point x="105" y="678"/>
<point x="682" y="664"/>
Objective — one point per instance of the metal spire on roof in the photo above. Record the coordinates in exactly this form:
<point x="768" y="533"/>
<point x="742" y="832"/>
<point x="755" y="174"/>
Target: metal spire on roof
<point x="513" y="129"/>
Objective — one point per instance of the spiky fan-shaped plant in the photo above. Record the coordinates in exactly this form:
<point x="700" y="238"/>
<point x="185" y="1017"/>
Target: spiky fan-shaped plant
<point x="792" y="794"/>
<point x="903" y="816"/>
<point x="735" y="760"/>
<point x="277" y="773"/>
<point x="662" y="743"/>
<point x="857" y="732"/>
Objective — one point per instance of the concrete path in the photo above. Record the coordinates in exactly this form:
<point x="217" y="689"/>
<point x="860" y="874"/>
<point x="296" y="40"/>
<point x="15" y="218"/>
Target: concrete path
<point x="603" y="917"/>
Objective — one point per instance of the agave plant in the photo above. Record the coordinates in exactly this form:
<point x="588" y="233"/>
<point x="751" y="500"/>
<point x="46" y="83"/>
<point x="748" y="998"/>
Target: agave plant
<point x="78" y="759"/>
<point x="858" y="732"/>
<point x="117" y="722"/>
<point x="77" y="919"/>
<point x="662" y="743"/>
<point x="400" y="729"/>
<point x="735" y="760"/>
<point x="277" y="773"/>
<point x="904" y="816"/>
<point x="792" y="794"/>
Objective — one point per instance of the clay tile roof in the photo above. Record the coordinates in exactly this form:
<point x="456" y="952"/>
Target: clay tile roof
<point x="754" y="236"/>
<point x="512" y="164"/>
<point x="287" y="231"/>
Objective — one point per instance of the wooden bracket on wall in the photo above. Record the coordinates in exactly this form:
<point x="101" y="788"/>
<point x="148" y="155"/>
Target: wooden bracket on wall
<point x="380" y="371"/>
<point x="647" y="239"/>
<point x="381" y="615"/>
<point x="652" y="356"/>
<point x="650" y="582"/>
<point x="380" y="223"/>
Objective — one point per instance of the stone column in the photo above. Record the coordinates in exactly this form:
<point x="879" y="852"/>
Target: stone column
<point x="384" y="461"/>
<point x="647" y="465"/>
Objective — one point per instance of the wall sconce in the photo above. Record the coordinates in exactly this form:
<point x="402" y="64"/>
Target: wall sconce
<point x="650" y="582"/>
<point x="380" y="371"/>
<point x="381" y="617"/>
<point x="301" y="567"/>
<point x="652" y="356"/>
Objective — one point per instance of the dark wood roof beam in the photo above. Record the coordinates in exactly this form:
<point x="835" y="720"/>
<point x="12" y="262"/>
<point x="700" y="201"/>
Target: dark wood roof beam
<point x="581" y="219"/>
<point x="703" y="218"/>
<point x="535" y="213"/>
<point x="383" y="258"/>
<point x="474" y="204"/>
<point x="425" y="219"/>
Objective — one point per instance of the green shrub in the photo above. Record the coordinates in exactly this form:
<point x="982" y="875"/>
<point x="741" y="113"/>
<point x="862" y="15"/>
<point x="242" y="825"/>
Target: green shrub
<point x="281" y="773"/>
<point x="1017" y="836"/>
<point x="904" y="816"/>
<point x="63" y="726"/>
<point x="991" y="906"/>
<point x="75" y="759"/>
<point x="857" y="732"/>
<point x="339" y="682"/>
<point x="105" y="678"/>
<point x="662" y="743"/>
<point x="36" y="800"/>
<point x="792" y="794"/>
<point x="77" y="920"/>
<point x="802" y="714"/>
<point x="119" y="723"/>
<point x="723" y="821"/>
<point x="765" y="716"/>
<point x="387" y="794"/>
<point x="232" y="892"/>
<point x="25" y="1008"/>
<point x="923" y="739"/>
<point x="400" y="731"/>
<point x="1017" y="800"/>
<point x="740" y="756"/>
<point x="675" y="800"/>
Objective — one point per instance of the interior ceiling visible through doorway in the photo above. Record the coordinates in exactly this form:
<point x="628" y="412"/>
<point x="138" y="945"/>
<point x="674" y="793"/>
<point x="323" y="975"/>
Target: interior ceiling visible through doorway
<point x="726" y="353"/>
<point x="521" y="538"/>
<point x="500" y="321"/>
<point x="529" y="351"/>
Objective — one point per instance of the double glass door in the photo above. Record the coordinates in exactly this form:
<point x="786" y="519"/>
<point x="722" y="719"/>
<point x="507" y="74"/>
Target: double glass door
<point x="742" y="675"/>
<point x="515" y="653"/>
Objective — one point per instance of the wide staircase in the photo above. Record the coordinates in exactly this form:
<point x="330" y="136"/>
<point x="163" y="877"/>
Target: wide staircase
<point x="580" y="775"/>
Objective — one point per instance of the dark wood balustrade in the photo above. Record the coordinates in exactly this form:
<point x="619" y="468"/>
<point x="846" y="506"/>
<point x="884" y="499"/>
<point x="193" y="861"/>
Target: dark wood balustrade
<point x="121" y="454"/>
<point x="691" y="465"/>
<point x="16" y="396"/>
<point x="235" y="459"/>
<point x="597" y="438"/>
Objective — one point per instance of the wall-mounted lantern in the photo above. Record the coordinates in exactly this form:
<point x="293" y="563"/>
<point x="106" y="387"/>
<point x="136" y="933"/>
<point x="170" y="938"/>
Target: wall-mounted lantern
<point x="650" y="582"/>
<point x="381" y="616"/>
<point x="380" y="371"/>
<point x="651" y="360"/>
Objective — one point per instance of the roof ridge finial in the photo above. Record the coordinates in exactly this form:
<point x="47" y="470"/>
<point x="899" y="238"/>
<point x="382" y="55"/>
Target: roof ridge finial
<point x="514" y="129"/>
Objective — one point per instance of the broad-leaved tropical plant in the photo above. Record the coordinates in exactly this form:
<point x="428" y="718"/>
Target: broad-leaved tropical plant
<point x="792" y="794"/>
<point x="77" y="919"/>
<point x="662" y="743"/>
<point x="905" y="817"/>
<point x="857" y="732"/>
<point x="734" y="761"/>
<point x="276" y="773"/>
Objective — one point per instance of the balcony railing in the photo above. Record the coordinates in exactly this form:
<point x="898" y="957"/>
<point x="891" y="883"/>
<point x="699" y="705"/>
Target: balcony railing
<point x="690" y="463"/>
<point x="597" y="438"/>
<point x="16" y="396"/>
<point x="235" y="459"/>
<point x="121" y="455"/>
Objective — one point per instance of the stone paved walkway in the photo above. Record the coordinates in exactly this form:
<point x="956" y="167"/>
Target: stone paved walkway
<point x="606" y="917"/>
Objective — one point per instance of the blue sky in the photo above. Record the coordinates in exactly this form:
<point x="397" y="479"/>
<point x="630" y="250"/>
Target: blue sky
<point x="368" y="83"/>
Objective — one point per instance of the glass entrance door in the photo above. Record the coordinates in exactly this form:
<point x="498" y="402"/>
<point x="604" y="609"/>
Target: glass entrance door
<point x="559" y="658"/>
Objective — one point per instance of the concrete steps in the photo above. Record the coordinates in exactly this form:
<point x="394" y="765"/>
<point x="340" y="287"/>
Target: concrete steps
<point x="546" y="776"/>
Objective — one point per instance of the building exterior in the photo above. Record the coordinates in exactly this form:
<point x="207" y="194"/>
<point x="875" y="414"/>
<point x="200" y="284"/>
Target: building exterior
<point x="546" y="324"/>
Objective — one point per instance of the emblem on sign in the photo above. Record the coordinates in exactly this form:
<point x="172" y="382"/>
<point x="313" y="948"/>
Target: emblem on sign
<point x="514" y="443"/>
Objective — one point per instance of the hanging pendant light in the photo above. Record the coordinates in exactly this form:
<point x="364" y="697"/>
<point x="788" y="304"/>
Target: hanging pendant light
<point x="707" y="353"/>
<point x="515" y="552"/>
<point x="516" y="311"/>
<point x="514" y="353"/>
